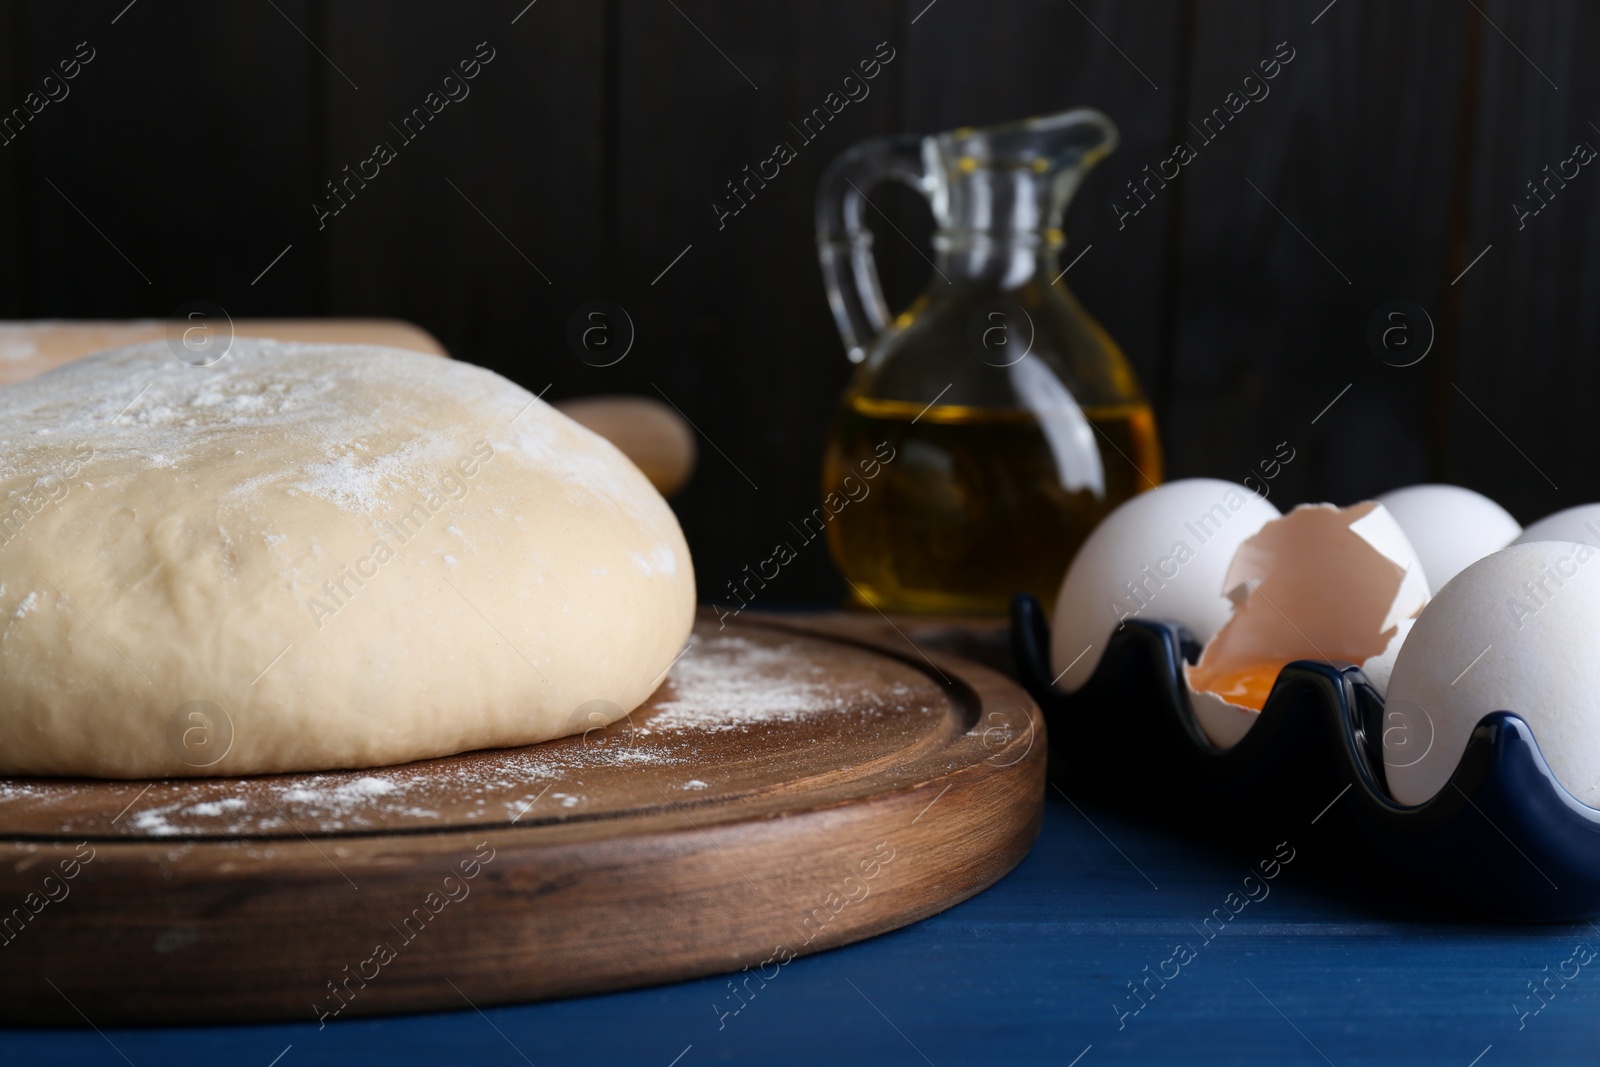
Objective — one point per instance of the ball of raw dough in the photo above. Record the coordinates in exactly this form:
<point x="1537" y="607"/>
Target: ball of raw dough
<point x="655" y="437"/>
<point x="315" y="556"/>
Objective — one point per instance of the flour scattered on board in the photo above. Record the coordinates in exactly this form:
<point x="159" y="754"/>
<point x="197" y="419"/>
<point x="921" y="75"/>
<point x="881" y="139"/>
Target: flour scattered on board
<point x="733" y="683"/>
<point x="330" y="802"/>
<point x="217" y="807"/>
<point x="345" y="794"/>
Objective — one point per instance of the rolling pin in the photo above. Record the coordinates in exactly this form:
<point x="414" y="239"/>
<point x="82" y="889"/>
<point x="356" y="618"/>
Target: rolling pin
<point x="656" y="438"/>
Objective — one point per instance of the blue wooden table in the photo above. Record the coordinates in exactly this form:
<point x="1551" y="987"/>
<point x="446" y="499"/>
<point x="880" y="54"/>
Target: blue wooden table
<point x="1096" y="950"/>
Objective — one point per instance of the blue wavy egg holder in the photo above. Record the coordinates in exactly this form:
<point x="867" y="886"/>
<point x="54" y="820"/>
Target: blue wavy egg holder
<point x="1503" y="837"/>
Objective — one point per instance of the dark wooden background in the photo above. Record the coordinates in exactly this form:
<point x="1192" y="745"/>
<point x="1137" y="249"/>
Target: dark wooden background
<point x="1386" y="158"/>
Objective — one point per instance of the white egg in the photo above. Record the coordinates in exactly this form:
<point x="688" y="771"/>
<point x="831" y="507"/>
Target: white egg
<point x="1160" y="556"/>
<point x="1450" y="527"/>
<point x="1514" y="632"/>
<point x="1581" y="523"/>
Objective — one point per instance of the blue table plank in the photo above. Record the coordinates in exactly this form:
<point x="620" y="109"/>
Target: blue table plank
<point x="1037" y="970"/>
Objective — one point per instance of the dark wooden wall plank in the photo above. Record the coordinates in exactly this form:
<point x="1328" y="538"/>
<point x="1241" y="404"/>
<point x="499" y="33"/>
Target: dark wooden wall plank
<point x="1310" y="210"/>
<point x="182" y="141"/>
<point x="594" y="145"/>
<point x="14" y="286"/>
<point x="1522" y="421"/>
<point x="737" y="333"/>
<point x="969" y="68"/>
<point x="484" y="226"/>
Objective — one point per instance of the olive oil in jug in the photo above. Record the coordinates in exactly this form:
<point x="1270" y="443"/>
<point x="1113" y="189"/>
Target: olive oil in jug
<point x="1015" y="422"/>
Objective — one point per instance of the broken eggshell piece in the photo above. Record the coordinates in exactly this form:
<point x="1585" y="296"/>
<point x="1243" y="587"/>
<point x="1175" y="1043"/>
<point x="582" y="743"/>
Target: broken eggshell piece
<point x="1325" y="583"/>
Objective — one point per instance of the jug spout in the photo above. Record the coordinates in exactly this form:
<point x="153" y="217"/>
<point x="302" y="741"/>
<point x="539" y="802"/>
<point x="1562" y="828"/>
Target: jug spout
<point x="996" y="182"/>
<point x="1018" y="177"/>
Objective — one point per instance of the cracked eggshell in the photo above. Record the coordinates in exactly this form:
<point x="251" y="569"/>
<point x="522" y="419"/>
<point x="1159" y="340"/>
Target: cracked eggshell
<point x="1450" y="527"/>
<point x="1320" y="583"/>
<point x="1380" y="668"/>
<point x="1580" y="524"/>
<point x="1513" y="632"/>
<point x="1160" y="556"/>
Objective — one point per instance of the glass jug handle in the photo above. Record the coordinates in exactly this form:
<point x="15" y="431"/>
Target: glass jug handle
<point x="844" y="243"/>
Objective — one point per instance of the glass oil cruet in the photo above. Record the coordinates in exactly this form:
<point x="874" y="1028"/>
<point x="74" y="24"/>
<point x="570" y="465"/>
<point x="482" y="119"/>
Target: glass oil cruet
<point x="998" y="421"/>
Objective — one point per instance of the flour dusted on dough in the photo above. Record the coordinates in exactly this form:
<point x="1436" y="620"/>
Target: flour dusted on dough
<point x="334" y="556"/>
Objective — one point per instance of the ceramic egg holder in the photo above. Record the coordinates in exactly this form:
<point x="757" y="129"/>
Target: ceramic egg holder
<point x="1503" y="837"/>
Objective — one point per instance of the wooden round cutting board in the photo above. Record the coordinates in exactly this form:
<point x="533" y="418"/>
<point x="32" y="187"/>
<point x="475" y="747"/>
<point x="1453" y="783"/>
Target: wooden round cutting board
<point x="795" y="784"/>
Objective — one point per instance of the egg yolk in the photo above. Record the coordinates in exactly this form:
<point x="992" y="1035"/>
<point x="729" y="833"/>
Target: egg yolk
<point x="1248" y="687"/>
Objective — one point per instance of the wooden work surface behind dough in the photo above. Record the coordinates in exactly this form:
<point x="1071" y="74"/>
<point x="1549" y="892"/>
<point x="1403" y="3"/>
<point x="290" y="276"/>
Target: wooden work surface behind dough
<point x="735" y="815"/>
